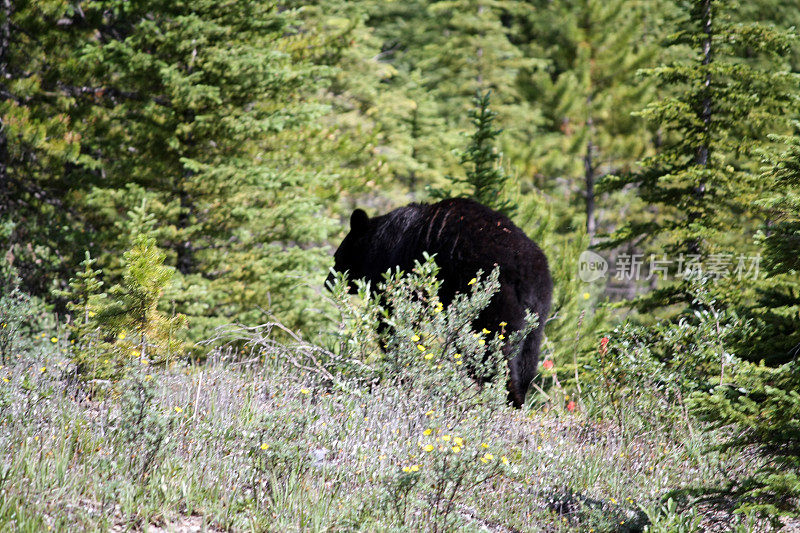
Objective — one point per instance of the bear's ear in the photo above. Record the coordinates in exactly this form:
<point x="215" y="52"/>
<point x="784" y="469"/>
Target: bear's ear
<point x="359" y="221"/>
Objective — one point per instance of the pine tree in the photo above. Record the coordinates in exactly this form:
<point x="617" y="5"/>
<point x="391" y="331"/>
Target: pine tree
<point x="132" y="306"/>
<point x="774" y="333"/>
<point x="88" y="350"/>
<point x="586" y="91"/>
<point x="717" y="112"/>
<point x="38" y="143"/>
<point x="484" y="180"/>
<point x="212" y="114"/>
<point x="441" y="54"/>
<point x="762" y="407"/>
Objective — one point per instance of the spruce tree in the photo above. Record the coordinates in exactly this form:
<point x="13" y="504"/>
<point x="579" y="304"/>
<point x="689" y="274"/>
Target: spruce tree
<point x="775" y="315"/>
<point x="441" y="54"/>
<point x="717" y="109"/>
<point x="587" y="91"/>
<point x="38" y="143"/>
<point x="760" y="411"/>
<point x="211" y="113"/>
<point x="484" y="179"/>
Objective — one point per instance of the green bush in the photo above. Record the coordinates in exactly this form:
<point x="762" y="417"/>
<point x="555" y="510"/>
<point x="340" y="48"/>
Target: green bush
<point x="22" y="318"/>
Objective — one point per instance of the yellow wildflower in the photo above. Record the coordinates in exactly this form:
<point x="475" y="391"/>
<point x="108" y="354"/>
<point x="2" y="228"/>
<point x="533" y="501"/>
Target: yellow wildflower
<point x="304" y="391"/>
<point x="264" y="446"/>
<point x="445" y="438"/>
<point x="484" y="445"/>
<point x="504" y="460"/>
<point x="415" y="338"/>
<point x="42" y="370"/>
<point x="456" y="449"/>
<point x="420" y="347"/>
<point x="428" y="355"/>
<point x="485" y="331"/>
<point x="503" y="324"/>
<point x="178" y="409"/>
<point x="481" y="342"/>
<point x="473" y="281"/>
<point x="459" y="441"/>
<point x="428" y="447"/>
<point x="54" y="339"/>
<point x="414" y="468"/>
<point x="427" y="431"/>
<point x="121" y="335"/>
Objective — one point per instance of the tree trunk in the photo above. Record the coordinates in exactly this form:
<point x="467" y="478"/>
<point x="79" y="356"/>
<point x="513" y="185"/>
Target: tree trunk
<point x="701" y="158"/>
<point x="185" y="251"/>
<point x="589" y="176"/>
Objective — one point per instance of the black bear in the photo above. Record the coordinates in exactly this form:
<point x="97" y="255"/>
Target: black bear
<point x="466" y="237"/>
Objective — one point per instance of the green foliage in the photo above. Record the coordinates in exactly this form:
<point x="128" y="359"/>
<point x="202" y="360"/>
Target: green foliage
<point x="776" y="310"/>
<point x="667" y="518"/>
<point x="577" y="316"/>
<point x="108" y="329"/>
<point x="762" y="405"/>
<point x="21" y="316"/>
<point x="718" y="108"/>
<point x="585" y="90"/>
<point x="485" y="179"/>
<point x="422" y="345"/>
<point x="88" y="349"/>
<point x="132" y="306"/>
<point x="39" y="143"/>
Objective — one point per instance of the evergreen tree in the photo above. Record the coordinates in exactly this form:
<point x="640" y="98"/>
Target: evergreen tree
<point x="762" y="407"/>
<point x="484" y="180"/>
<point x="89" y="351"/>
<point x="211" y="113"/>
<point x="774" y="334"/>
<point x="441" y="54"/>
<point x="587" y="92"/>
<point x="717" y="112"/>
<point x="38" y="142"/>
<point x="132" y="306"/>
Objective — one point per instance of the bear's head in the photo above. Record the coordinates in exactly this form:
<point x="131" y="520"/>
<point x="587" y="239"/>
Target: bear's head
<point x="352" y="256"/>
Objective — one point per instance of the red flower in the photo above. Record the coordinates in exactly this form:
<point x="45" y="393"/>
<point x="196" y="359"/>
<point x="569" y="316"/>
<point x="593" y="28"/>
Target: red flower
<point x="547" y="364"/>
<point x="570" y="406"/>
<point x="604" y="345"/>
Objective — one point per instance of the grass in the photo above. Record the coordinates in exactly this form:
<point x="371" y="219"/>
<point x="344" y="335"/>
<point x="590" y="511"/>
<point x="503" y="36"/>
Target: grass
<point x="268" y="446"/>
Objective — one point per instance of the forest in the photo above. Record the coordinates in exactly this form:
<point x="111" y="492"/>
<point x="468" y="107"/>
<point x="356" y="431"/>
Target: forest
<point x="176" y="176"/>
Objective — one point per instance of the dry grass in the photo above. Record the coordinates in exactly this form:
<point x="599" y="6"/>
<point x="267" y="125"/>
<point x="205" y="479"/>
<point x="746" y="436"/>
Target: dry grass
<point x="267" y="446"/>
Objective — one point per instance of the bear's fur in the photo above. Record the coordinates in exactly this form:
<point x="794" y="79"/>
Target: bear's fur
<point x="466" y="237"/>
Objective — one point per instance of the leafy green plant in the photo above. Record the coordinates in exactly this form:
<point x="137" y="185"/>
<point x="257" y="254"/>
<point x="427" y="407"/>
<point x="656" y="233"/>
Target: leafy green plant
<point x="22" y="317"/>
<point x="667" y="518"/>
<point x="132" y="306"/>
